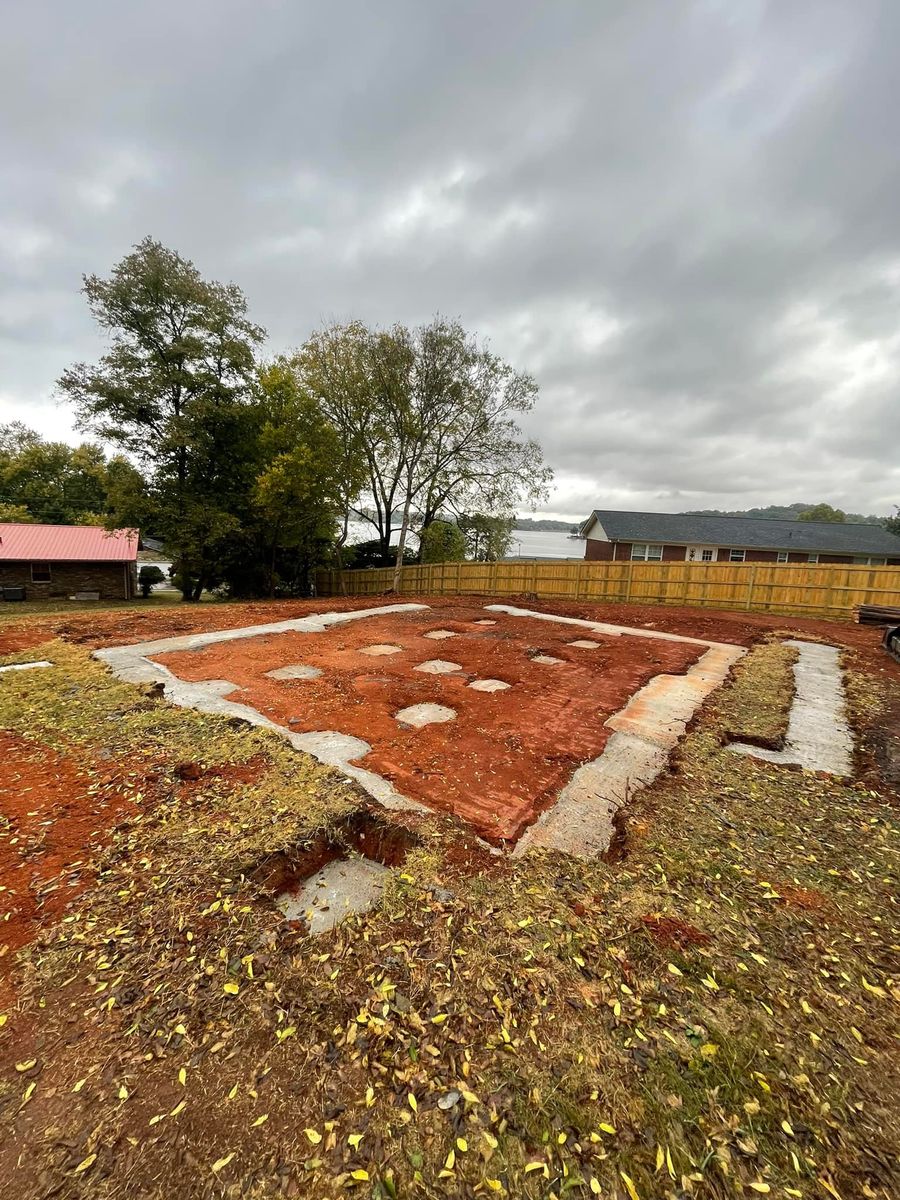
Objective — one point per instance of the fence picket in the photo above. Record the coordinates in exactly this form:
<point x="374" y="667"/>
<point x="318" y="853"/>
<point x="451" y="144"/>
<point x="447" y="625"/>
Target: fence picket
<point x="814" y="590"/>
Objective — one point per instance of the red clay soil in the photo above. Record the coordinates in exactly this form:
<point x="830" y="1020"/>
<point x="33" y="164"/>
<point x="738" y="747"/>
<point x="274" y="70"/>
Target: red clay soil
<point x="14" y="641"/>
<point x="51" y="813"/>
<point x="119" y="626"/>
<point x="507" y="754"/>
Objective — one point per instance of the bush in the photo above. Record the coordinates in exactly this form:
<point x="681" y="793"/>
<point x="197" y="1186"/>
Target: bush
<point x="148" y="576"/>
<point x="442" y="541"/>
<point x="370" y="554"/>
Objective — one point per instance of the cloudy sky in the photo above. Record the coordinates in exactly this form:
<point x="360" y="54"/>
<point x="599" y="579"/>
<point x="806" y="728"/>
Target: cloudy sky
<point x="682" y="217"/>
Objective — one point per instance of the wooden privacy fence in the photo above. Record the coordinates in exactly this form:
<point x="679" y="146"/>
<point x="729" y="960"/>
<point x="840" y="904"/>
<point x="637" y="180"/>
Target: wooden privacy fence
<point x="819" y="591"/>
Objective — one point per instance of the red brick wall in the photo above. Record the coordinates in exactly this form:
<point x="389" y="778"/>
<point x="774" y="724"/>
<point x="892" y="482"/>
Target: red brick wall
<point x="67" y="578"/>
<point x="597" y="551"/>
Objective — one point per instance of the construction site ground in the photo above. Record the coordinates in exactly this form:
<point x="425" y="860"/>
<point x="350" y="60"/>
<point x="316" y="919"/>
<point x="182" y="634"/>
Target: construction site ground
<point x="709" y="1010"/>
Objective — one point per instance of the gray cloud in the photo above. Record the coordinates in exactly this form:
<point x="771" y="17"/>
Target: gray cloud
<point x="681" y="217"/>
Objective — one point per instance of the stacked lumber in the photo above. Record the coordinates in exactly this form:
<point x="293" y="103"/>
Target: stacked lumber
<point x="876" y="614"/>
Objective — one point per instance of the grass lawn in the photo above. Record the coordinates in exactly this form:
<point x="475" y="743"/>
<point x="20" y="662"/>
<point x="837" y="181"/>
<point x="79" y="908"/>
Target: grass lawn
<point x="710" y="1012"/>
<point x="11" y="612"/>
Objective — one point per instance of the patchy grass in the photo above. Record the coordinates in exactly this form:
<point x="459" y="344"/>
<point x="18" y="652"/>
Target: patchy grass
<point x="714" y="1016"/>
<point x="15" y="611"/>
<point x="755" y="708"/>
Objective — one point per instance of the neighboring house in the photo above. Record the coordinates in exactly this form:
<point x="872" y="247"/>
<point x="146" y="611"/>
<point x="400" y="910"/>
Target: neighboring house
<point x="63" y="560"/>
<point x="612" y="536"/>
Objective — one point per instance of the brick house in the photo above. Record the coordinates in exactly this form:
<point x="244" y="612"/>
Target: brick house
<point x="612" y="536"/>
<point x="63" y="560"/>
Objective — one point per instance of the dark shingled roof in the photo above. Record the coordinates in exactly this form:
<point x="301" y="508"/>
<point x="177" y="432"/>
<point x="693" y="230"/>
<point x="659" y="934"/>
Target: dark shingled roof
<point x="751" y="533"/>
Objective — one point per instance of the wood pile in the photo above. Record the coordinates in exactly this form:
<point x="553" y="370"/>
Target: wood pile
<point x="876" y="614"/>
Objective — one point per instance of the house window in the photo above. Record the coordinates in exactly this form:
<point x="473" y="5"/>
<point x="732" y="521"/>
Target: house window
<point x="737" y="555"/>
<point x="40" y="572"/>
<point x="782" y="556"/>
<point x="872" y="562"/>
<point x="707" y="556"/>
<point x="812" y="558"/>
<point x="644" y="552"/>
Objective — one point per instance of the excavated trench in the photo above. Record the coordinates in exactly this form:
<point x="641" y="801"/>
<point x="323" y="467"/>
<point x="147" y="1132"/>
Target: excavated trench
<point x="336" y="873"/>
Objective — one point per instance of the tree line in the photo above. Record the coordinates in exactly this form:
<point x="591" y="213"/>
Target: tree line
<point x="250" y="468"/>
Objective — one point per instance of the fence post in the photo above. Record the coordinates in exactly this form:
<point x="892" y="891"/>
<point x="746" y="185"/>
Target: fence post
<point x="629" y="574"/>
<point x="750" y="588"/>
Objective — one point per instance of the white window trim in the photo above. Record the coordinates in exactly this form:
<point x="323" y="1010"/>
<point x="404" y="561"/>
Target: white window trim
<point x="646" y="547"/>
<point x="812" y="559"/>
<point x="782" y="556"/>
<point x="732" y="553"/>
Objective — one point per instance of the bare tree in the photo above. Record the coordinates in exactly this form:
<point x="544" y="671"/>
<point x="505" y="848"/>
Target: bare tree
<point x="434" y="415"/>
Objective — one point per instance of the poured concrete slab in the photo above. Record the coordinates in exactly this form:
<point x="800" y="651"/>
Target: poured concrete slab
<point x="485" y="621"/>
<point x="297" y="671"/>
<point x="342" y="887"/>
<point x="420" y="715"/>
<point x="818" y="736"/>
<point x="644" y="732"/>
<point x="583" y="644"/>
<point x="547" y="660"/>
<point x="381" y="650"/>
<point x="32" y="666"/>
<point x="437" y="666"/>
<point x="488" y="685"/>
<point x="438" y="635"/>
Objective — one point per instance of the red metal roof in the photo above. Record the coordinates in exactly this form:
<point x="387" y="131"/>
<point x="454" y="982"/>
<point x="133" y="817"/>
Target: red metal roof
<point x="66" y="543"/>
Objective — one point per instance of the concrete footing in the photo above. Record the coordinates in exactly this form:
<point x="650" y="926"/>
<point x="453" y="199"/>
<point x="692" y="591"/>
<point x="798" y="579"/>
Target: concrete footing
<point x="420" y="715"/>
<point x="341" y="887"/>
<point x="581" y="823"/>
<point x="297" y="671"/>
<point x="32" y="666"/>
<point x="818" y="736"/>
<point x="644" y="733"/>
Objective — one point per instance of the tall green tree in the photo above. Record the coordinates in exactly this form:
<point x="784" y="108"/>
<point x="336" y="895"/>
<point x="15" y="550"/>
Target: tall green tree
<point x="176" y="391"/>
<point x="487" y="538"/>
<point x="15" y="514"/>
<point x="305" y="474"/>
<point x="54" y="482"/>
<point x="823" y="512"/>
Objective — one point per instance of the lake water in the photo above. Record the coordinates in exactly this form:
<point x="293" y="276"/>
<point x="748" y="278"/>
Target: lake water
<point x="526" y="543"/>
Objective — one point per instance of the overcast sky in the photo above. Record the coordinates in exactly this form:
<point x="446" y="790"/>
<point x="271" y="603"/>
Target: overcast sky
<point x="683" y="218"/>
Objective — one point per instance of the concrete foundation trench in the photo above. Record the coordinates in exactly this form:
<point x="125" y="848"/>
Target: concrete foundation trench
<point x="515" y="714"/>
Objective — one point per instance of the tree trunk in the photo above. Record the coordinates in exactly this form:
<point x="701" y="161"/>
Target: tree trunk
<point x="401" y="545"/>
<point x="198" y="589"/>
